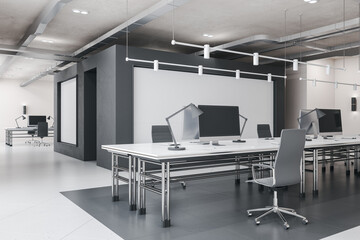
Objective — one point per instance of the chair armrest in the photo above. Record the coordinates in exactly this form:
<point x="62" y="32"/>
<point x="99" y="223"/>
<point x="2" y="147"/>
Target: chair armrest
<point x="259" y="166"/>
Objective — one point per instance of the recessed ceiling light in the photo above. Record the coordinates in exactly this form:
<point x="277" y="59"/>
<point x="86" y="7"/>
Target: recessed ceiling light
<point x="47" y="41"/>
<point x="311" y="1"/>
<point x="208" y="35"/>
<point x="84" y="12"/>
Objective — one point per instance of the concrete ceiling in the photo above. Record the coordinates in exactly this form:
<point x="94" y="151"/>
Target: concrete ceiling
<point x="228" y="21"/>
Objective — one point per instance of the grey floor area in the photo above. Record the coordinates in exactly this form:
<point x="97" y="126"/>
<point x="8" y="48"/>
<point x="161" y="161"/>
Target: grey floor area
<point x="216" y="209"/>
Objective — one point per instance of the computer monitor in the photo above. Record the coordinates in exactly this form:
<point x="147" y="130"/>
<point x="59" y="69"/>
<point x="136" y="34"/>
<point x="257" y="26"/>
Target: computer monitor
<point x="330" y="124"/>
<point x="34" y="120"/>
<point x="218" y="123"/>
<point x="309" y="121"/>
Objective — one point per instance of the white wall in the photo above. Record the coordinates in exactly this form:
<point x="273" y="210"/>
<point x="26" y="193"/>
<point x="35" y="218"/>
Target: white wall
<point x="38" y="97"/>
<point x="323" y="94"/>
<point x="159" y="94"/>
<point x="350" y="120"/>
<point x="295" y="95"/>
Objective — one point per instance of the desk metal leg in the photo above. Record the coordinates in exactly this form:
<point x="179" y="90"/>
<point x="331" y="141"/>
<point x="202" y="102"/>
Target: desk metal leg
<point x="237" y="168"/>
<point x="347" y="161"/>
<point x="331" y="160"/>
<point x="356" y="160"/>
<point x="315" y="172"/>
<point x="323" y="156"/>
<point x="132" y="183"/>
<point x="302" y="182"/>
<point x="141" y="190"/>
<point x="165" y="194"/>
<point x="115" y="181"/>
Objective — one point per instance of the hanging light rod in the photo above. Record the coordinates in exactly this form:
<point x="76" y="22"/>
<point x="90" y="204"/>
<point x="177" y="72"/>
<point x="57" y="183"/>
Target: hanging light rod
<point x="296" y="61"/>
<point x="354" y="85"/>
<point x="201" y="68"/>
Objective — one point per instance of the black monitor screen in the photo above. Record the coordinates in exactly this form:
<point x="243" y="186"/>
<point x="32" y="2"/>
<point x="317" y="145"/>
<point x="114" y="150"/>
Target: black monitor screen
<point x="34" y="120"/>
<point x="218" y="121"/>
<point x="331" y="122"/>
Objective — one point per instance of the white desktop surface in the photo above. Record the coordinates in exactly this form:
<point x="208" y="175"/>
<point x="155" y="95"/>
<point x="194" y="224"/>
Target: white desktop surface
<point x="159" y="151"/>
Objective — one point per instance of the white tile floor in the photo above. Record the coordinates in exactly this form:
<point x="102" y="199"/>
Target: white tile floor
<point x="31" y="206"/>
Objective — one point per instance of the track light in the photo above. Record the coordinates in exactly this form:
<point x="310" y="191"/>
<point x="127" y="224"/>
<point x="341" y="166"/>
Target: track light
<point x="156" y="65"/>
<point x="237" y="74"/>
<point x="256" y="59"/>
<point x="200" y="70"/>
<point x="206" y="51"/>
<point x="327" y="69"/>
<point x="269" y="77"/>
<point x="295" y="65"/>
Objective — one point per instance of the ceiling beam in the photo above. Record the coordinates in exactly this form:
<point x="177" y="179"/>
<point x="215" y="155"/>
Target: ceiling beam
<point x="36" y="28"/>
<point x="144" y="17"/>
<point x="36" y="53"/>
<point x="306" y="36"/>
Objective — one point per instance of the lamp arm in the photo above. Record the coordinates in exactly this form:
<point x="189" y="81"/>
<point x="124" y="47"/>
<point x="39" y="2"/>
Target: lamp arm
<point x="243" y="127"/>
<point x="18" y="119"/>
<point x="171" y="131"/>
<point x="299" y="118"/>
<point x="17" y="125"/>
<point x="178" y="111"/>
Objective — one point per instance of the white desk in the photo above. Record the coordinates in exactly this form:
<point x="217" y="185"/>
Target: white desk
<point x="22" y="132"/>
<point x="202" y="155"/>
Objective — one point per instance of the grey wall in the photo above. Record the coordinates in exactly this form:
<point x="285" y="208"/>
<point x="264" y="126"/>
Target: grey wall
<point x="114" y="84"/>
<point x="105" y="65"/>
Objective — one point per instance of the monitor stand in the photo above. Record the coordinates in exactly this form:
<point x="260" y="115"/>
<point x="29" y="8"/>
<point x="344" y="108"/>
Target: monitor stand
<point x="216" y="143"/>
<point x="328" y="137"/>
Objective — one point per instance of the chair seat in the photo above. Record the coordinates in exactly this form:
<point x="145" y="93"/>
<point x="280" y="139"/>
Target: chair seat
<point x="268" y="182"/>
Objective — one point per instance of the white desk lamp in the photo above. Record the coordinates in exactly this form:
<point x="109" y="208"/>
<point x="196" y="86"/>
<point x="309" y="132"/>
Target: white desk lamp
<point x="23" y="118"/>
<point x="195" y="112"/>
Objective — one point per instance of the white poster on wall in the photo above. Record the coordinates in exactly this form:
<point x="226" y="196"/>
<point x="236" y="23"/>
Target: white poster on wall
<point x="68" y="111"/>
<point x="158" y="94"/>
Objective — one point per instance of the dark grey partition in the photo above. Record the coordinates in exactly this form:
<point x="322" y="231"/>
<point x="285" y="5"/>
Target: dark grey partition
<point x="114" y="94"/>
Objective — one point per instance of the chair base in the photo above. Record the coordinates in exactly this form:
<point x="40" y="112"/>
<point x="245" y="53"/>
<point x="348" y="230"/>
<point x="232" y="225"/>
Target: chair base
<point x="278" y="210"/>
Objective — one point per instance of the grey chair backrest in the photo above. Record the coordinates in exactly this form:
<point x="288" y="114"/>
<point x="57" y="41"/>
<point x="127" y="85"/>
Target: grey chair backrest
<point x="42" y="130"/>
<point x="161" y="133"/>
<point x="288" y="157"/>
<point x="263" y="131"/>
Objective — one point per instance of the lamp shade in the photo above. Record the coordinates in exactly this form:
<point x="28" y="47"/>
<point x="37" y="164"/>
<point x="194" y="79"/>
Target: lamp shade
<point x="195" y="112"/>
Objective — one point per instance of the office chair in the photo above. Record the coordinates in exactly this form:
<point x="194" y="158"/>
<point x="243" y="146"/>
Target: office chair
<point x="263" y="131"/>
<point x="32" y="141"/>
<point x="161" y="133"/>
<point x="286" y="172"/>
<point x="42" y="132"/>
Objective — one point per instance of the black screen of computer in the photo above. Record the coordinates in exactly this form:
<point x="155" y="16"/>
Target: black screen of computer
<point x="34" y="120"/>
<point x="331" y="122"/>
<point x="219" y="121"/>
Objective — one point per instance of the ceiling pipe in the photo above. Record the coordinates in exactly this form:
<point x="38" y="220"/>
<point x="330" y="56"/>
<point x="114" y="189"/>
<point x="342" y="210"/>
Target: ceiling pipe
<point x="36" y="28"/>
<point x="107" y="39"/>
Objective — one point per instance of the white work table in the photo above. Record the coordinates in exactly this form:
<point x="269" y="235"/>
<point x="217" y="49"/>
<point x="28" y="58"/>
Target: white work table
<point x="229" y="153"/>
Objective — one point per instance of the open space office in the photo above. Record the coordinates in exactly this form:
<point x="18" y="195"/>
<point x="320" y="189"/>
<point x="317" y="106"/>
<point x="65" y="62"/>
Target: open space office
<point x="179" y="119"/>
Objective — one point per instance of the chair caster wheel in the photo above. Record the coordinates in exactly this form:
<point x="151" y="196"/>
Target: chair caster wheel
<point x="305" y="221"/>
<point x="286" y="226"/>
<point x="257" y="222"/>
<point x="249" y="214"/>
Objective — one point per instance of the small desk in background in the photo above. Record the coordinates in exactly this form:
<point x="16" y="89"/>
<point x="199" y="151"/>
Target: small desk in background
<point x="22" y="132"/>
